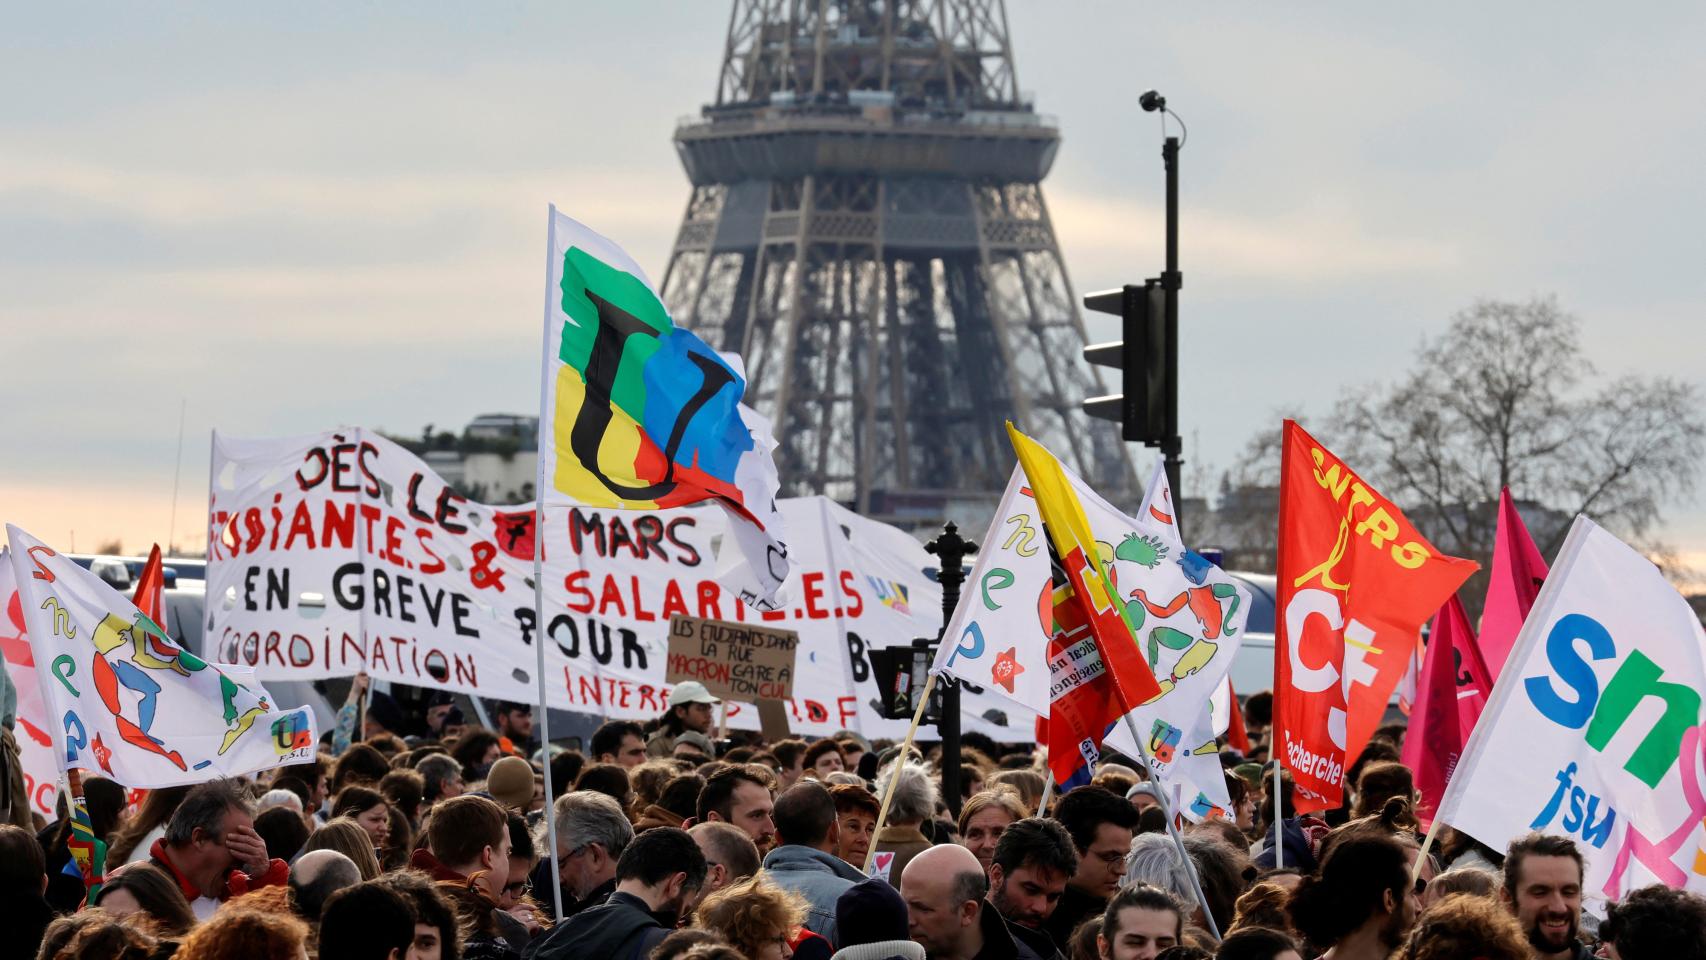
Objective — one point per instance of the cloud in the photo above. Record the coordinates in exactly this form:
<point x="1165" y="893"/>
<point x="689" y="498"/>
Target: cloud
<point x="1300" y="248"/>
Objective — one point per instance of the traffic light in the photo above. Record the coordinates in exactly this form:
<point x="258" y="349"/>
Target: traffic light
<point x="1147" y="406"/>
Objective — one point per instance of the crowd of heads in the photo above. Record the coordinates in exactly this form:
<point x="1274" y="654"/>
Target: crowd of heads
<point x="428" y="837"/>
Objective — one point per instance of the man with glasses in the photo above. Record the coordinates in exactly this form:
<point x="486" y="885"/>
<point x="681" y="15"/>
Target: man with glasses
<point x="592" y="832"/>
<point x="1101" y="826"/>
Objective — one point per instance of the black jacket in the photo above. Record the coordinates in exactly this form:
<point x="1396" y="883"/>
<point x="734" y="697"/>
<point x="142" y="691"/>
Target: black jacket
<point x="998" y="940"/>
<point x="1038" y="941"/>
<point x="1074" y="908"/>
<point x="621" y="928"/>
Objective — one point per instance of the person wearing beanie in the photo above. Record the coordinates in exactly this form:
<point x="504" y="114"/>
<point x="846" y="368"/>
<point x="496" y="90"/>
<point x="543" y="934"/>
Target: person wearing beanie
<point x="1143" y="796"/>
<point x="872" y="921"/>
<point x="510" y="782"/>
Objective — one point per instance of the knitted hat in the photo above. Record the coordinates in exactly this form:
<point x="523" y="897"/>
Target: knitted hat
<point x="697" y="740"/>
<point x="510" y="782"/>
<point x="1146" y="789"/>
<point x="871" y="911"/>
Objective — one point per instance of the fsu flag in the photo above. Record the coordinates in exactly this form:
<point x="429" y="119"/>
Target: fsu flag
<point x="637" y="413"/>
<point x="1356" y="582"/>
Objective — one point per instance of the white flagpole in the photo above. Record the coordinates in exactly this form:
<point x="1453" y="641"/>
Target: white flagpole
<point x="1279" y="813"/>
<point x="1172" y="828"/>
<point x="539" y="634"/>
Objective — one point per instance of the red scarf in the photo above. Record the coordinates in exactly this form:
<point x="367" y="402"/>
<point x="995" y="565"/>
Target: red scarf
<point x="236" y="882"/>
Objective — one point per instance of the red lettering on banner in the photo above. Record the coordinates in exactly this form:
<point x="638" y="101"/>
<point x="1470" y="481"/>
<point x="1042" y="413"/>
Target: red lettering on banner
<point x="423" y="536"/>
<point x="610" y="595"/>
<point x="580" y="597"/>
<point x="710" y="600"/>
<point x="850" y="589"/>
<point x="640" y="612"/>
<point x="812" y="584"/>
<point x="673" y="604"/>
<point x="301" y="525"/>
<point x="339" y="522"/>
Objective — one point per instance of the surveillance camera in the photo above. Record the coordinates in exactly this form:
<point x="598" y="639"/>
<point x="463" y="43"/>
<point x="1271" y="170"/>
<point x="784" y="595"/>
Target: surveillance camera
<point x="1151" y="101"/>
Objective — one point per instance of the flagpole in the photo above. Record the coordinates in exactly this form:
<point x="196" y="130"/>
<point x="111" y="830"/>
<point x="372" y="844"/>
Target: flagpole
<point x="539" y="633"/>
<point x="1172" y="828"/>
<point x="900" y="758"/>
<point x="1279" y="815"/>
<point x="1048" y="790"/>
<point x="1427" y="844"/>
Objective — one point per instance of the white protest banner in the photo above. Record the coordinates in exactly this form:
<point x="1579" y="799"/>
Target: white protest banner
<point x="129" y="702"/>
<point x="35" y="743"/>
<point x="1189" y="616"/>
<point x="342" y="550"/>
<point x="1593" y="730"/>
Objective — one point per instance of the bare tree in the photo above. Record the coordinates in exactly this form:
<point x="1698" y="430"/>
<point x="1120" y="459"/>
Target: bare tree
<point x="1505" y="398"/>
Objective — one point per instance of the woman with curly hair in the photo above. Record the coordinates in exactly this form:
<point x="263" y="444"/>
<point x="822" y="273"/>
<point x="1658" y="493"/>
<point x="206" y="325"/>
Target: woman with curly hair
<point x="755" y="916"/>
<point x="1466" y="925"/>
<point x="250" y="934"/>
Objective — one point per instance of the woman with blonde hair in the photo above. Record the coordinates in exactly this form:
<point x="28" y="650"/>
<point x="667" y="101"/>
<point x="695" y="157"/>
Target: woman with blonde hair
<point x="984" y="818"/>
<point x="348" y="838"/>
<point x="756" y="917"/>
<point x="1028" y="783"/>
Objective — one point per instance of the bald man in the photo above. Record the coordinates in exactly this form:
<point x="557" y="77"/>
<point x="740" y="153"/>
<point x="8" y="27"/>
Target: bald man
<point x="315" y="876"/>
<point x="944" y="888"/>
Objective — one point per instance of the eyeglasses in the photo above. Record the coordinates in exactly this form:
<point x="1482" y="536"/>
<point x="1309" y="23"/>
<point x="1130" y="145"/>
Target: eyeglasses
<point x="520" y="888"/>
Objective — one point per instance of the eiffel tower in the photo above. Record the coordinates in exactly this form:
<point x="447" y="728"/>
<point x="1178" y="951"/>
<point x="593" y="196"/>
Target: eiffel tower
<point x="867" y="230"/>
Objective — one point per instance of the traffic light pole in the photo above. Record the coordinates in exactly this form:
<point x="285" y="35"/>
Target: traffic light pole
<point x="1171" y="280"/>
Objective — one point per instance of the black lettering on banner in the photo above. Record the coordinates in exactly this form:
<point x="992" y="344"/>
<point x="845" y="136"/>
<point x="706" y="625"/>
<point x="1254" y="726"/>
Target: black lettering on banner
<point x="856" y="657"/>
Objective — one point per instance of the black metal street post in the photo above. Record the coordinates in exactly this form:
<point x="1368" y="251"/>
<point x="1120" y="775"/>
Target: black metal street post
<point x="1171" y="280"/>
<point x="951" y="550"/>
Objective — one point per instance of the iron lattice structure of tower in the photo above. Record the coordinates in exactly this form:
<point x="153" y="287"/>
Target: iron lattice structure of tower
<point x="867" y="229"/>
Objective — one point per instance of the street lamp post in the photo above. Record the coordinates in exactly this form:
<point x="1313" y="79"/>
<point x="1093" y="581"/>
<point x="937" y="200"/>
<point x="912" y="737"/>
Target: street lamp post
<point x="950" y="549"/>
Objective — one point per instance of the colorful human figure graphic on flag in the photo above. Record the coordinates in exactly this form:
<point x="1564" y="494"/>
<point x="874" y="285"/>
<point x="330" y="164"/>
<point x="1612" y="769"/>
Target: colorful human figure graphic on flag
<point x="126" y="699"/>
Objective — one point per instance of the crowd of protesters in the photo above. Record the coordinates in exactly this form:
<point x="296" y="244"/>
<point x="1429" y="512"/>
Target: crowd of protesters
<point x="426" y="837"/>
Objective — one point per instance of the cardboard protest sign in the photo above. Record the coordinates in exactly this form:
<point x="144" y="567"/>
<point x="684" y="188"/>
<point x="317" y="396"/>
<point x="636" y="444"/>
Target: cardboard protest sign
<point x="339" y="551"/>
<point x="735" y="661"/>
<point x="129" y="703"/>
<point x="1594" y="727"/>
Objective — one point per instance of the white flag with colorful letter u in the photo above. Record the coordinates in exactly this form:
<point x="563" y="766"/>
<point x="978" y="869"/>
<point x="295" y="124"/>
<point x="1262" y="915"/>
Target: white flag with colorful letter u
<point x="125" y="701"/>
<point x="1593" y="730"/>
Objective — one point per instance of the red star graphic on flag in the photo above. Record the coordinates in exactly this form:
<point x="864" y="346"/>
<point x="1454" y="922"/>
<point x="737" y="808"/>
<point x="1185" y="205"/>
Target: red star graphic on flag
<point x="1006" y="668"/>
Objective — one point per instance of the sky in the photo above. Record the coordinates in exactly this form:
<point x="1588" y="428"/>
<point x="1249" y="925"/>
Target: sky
<point x="282" y="218"/>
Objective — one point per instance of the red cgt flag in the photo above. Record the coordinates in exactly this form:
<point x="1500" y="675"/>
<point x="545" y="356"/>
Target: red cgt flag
<point x="1356" y="582"/>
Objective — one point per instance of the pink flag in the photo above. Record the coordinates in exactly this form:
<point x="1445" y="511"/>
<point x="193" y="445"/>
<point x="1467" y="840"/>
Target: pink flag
<point x="1518" y="571"/>
<point x="1451" y="691"/>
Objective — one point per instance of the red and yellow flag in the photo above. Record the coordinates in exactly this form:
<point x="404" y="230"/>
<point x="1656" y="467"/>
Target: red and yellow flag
<point x="1356" y="582"/>
<point x="1069" y="531"/>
